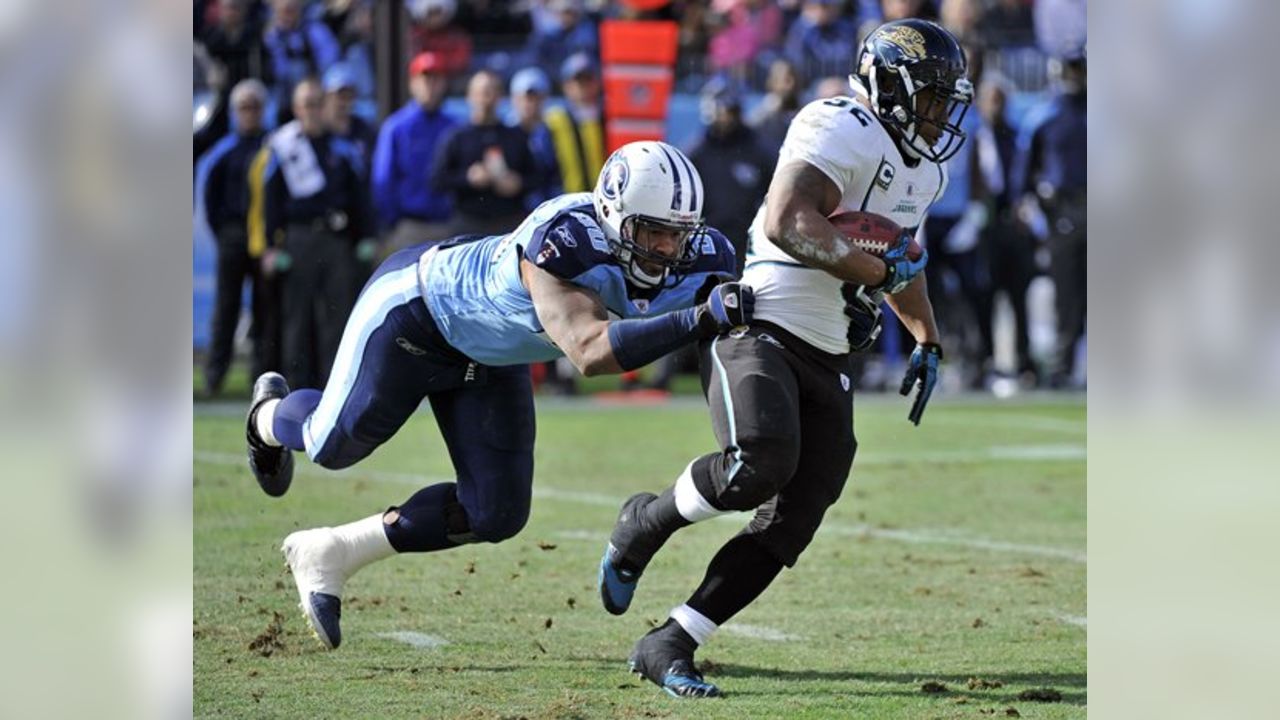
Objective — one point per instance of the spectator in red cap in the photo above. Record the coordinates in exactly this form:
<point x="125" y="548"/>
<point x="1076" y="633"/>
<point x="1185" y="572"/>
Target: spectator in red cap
<point x="433" y="31"/>
<point x="409" y="210"/>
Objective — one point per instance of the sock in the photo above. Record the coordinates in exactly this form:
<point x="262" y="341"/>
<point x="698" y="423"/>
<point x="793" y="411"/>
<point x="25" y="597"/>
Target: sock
<point x="662" y="516"/>
<point x="736" y="576"/>
<point x="365" y="540"/>
<point x="432" y="519"/>
<point x="262" y="421"/>
<point x="288" y="416"/>
<point x="658" y="520"/>
<point x="694" y="623"/>
<point x="690" y="502"/>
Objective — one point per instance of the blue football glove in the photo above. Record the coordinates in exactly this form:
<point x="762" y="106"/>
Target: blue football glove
<point x="921" y="369"/>
<point x="727" y="306"/>
<point x="899" y="270"/>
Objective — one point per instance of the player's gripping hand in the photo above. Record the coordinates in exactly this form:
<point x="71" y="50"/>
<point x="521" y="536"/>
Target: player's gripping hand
<point x="864" y="320"/>
<point x="922" y="372"/>
<point x="900" y="269"/>
<point x="727" y="306"/>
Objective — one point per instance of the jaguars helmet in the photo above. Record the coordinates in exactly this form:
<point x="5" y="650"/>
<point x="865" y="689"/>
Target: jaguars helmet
<point x="650" y="183"/>
<point x="898" y="61"/>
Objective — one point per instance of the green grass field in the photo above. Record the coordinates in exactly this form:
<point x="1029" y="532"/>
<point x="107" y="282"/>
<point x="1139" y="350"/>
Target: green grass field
<point x="957" y="552"/>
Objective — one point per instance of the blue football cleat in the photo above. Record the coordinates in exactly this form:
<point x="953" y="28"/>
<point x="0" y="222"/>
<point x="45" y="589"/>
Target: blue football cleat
<point x="617" y="584"/>
<point x="664" y="657"/>
<point x="271" y="465"/>
<point x="620" y="568"/>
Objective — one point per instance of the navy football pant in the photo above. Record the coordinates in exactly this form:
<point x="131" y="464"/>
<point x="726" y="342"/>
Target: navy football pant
<point x="391" y="357"/>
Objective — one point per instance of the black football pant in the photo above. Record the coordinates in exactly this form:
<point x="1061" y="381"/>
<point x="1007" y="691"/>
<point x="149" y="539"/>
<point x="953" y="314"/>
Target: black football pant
<point x="782" y="412"/>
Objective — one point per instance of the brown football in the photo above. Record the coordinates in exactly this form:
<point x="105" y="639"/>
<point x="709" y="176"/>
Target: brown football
<point x="873" y="233"/>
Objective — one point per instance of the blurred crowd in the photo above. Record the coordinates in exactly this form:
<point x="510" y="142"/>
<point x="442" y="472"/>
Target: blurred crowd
<point x="305" y="186"/>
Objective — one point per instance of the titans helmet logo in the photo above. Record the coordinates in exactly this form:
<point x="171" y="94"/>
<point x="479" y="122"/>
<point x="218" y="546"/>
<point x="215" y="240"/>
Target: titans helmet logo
<point x="616" y="175"/>
<point x="910" y="40"/>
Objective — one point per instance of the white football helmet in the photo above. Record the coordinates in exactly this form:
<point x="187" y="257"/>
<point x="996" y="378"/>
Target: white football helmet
<point x="649" y="183"/>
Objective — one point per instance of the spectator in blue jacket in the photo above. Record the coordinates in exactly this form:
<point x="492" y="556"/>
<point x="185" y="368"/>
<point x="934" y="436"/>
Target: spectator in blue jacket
<point x="819" y="41"/>
<point x="339" y="110"/>
<point x="1052" y="171"/>
<point x="409" y="209"/>
<point x="298" y="48"/>
<point x="222" y="202"/>
<point x="529" y="90"/>
<point x="575" y="33"/>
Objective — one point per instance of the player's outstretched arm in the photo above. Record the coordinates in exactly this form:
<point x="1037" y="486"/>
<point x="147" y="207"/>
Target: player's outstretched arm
<point x="574" y="318"/>
<point x="576" y="321"/>
<point x="800" y="199"/>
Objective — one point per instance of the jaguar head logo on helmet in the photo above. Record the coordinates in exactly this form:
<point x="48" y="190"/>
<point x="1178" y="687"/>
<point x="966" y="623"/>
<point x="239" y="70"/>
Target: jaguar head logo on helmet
<point x="913" y="73"/>
<point x="649" y="200"/>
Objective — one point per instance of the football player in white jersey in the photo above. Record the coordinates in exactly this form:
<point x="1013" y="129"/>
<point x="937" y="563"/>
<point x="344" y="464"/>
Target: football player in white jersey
<point x="779" y="390"/>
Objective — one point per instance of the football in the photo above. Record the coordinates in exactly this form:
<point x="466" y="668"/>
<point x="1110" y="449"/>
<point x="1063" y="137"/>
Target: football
<point x="873" y="233"/>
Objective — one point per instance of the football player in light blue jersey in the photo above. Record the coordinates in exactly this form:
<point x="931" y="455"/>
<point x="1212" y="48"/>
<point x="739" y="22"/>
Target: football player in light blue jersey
<point x="612" y="279"/>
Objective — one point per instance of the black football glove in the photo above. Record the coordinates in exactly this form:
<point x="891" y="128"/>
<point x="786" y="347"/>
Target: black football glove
<point x="727" y="306"/>
<point x="864" y="320"/>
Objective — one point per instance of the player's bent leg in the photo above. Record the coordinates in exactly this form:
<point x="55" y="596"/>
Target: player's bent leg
<point x="488" y="425"/>
<point x="323" y="559"/>
<point x="664" y="657"/>
<point x="752" y="394"/>
<point x="631" y="545"/>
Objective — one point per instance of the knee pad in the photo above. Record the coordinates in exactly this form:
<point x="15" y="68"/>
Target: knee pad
<point x="763" y="468"/>
<point x="498" y="524"/>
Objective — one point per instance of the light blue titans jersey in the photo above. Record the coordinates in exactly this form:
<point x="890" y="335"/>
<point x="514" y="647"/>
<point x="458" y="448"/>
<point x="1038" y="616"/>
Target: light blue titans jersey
<point x="475" y="294"/>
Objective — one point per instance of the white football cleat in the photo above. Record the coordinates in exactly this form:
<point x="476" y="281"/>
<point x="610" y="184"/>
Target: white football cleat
<point x="322" y="560"/>
<point x="318" y="563"/>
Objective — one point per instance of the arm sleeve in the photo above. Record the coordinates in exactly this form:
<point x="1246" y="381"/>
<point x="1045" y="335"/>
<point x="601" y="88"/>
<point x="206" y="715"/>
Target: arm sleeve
<point x="1027" y="158"/>
<point x="383" y="181"/>
<point x="324" y="45"/>
<point x="214" y="185"/>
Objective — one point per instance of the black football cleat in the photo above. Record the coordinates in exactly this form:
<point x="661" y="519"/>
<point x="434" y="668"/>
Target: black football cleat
<point x="625" y="556"/>
<point x="664" y="657"/>
<point x="271" y="465"/>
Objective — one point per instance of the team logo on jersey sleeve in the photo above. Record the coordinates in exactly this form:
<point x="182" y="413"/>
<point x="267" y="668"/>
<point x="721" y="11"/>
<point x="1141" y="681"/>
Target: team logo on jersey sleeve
<point x="616" y="175"/>
<point x="909" y="39"/>
<point x="565" y="237"/>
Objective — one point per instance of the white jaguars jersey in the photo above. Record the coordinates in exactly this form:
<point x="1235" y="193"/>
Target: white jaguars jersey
<point x="840" y="137"/>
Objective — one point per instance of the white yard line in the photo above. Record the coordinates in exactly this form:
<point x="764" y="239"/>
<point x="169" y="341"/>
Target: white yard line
<point x="416" y="639"/>
<point x="759" y="632"/>
<point x="924" y="537"/>
<point x="1014" y="421"/>
<point x="1077" y="620"/>
<point x="587" y="535"/>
